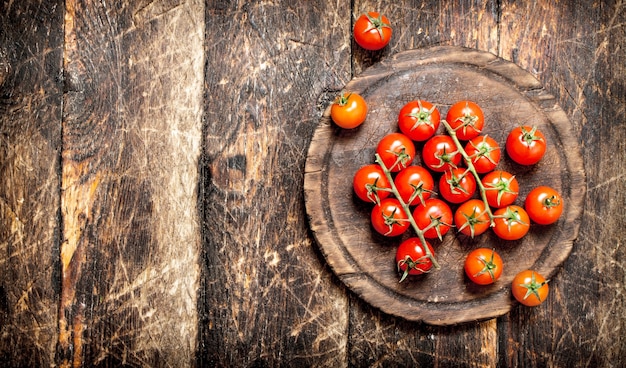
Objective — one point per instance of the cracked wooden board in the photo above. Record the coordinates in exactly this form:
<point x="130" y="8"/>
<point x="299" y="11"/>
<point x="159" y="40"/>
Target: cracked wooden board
<point x="363" y="260"/>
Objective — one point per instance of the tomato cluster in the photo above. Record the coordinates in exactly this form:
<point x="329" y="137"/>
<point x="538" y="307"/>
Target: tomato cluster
<point x="462" y="163"/>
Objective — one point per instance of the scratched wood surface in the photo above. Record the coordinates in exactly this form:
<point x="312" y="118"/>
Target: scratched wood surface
<point x="152" y="162"/>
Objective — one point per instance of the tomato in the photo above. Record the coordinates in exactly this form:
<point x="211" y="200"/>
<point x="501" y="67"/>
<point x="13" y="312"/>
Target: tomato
<point x="419" y="120"/>
<point x="457" y="185"/>
<point x="466" y="118"/>
<point x="349" y="111"/>
<point x="372" y="31"/>
<point x="370" y="183"/>
<point x="483" y="266"/>
<point x="440" y="153"/>
<point x="525" y="145"/>
<point x="484" y="153"/>
<point x="396" y="151"/>
<point x="434" y="217"/>
<point x="389" y="218"/>
<point x="414" y="184"/>
<point x="501" y="188"/>
<point x="471" y="218"/>
<point x="544" y="205"/>
<point x="530" y="288"/>
<point x="412" y="259"/>
<point x="511" y="222"/>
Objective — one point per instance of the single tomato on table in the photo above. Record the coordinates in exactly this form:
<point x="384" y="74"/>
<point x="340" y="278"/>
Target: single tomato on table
<point x="471" y="218"/>
<point x="544" y="205"/>
<point x="412" y="259"/>
<point x="349" y="111"/>
<point x="419" y="120"/>
<point x="483" y="266"/>
<point x="466" y="118"/>
<point x="440" y="153"/>
<point x="389" y="218"/>
<point x="530" y="288"/>
<point x="511" y="222"/>
<point x="434" y="217"/>
<point x="372" y="31"/>
<point x="415" y="184"/>
<point x="370" y="183"/>
<point x="457" y="185"/>
<point x="525" y="145"/>
<point x="396" y="151"/>
<point x="484" y="152"/>
<point x="501" y="188"/>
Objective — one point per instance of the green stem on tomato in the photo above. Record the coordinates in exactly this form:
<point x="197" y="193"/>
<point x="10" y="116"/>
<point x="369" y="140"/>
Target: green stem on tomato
<point x="407" y="210"/>
<point x="472" y="169"/>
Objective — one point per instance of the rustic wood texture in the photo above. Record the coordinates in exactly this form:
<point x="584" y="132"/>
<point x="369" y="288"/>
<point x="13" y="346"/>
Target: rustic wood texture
<point x="442" y="75"/>
<point x="162" y="144"/>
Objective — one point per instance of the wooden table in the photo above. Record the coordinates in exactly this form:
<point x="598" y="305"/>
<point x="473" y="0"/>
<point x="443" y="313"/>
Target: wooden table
<point x="151" y="201"/>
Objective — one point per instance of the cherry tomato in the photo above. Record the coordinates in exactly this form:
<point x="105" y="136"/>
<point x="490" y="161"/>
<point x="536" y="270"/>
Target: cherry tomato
<point x="467" y="119"/>
<point x="525" y="145"/>
<point x="544" y="205"/>
<point x="530" y="288"/>
<point x="501" y="188"/>
<point x="471" y="218"/>
<point x="419" y="120"/>
<point x="434" y="217"/>
<point x="370" y="183"/>
<point x="457" y="185"/>
<point x="412" y="259"/>
<point x="414" y="184"/>
<point x="349" y="111"/>
<point x="511" y="222"/>
<point x="440" y="153"/>
<point x="396" y="150"/>
<point x="484" y="153"/>
<point x="372" y="31"/>
<point x="483" y="266"/>
<point x="389" y="218"/>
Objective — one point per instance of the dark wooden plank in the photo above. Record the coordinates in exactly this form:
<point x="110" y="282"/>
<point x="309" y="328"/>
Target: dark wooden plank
<point x="31" y="52"/>
<point x="576" y="50"/>
<point x="131" y="138"/>
<point x="266" y="298"/>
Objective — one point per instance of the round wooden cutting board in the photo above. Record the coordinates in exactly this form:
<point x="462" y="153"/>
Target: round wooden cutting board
<point x="364" y="261"/>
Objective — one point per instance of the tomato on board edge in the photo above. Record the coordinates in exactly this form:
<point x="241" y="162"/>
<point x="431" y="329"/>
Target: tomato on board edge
<point x="466" y="118"/>
<point x="415" y="184"/>
<point x="419" y="120"/>
<point x="511" y="222"/>
<point x="389" y="218"/>
<point x="483" y="266"/>
<point x="370" y="183"/>
<point x="471" y="218"/>
<point x="525" y="145"/>
<point x="348" y="111"/>
<point x="411" y="258"/>
<point x="530" y="288"/>
<point x="396" y="151"/>
<point x="436" y="214"/>
<point x="544" y="205"/>
<point x="372" y="31"/>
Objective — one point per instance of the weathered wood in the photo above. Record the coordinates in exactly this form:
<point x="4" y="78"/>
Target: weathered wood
<point x="266" y="298"/>
<point x="31" y="40"/>
<point x="131" y="138"/>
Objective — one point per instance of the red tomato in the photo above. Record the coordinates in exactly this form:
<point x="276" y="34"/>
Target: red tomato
<point x="501" y="188"/>
<point x="484" y="153"/>
<point x="372" y="31"/>
<point x="389" y="218"/>
<point x="530" y="288"/>
<point x="544" y="205"/>
<point x="440" y="153"/>
<point x="511" y="223"/>
<point x="412" y="259"/>
<point x="434" y="217"/>
<point x="483" y="266"/>
<point x="457" y="185"/>
<point x="419" y="120"/>
<point x="396" y="151"/>
<point x="414" y="184"/>
<point x="370" y="183"/>
<point x="526" y="145"/>
<point x="349" y="111"/>
<point x="471" y="218"/>
<point x="467" y="119"/>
